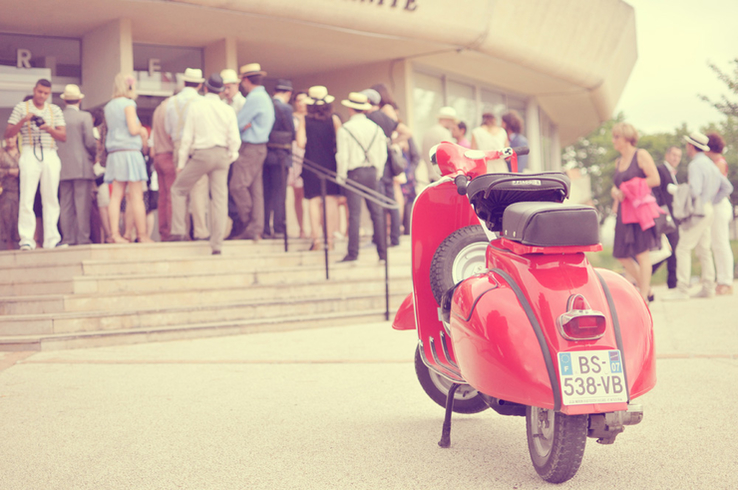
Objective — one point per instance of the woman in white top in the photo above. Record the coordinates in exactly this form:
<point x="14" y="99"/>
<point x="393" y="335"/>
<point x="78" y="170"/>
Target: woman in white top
<point x="490" y="137"/>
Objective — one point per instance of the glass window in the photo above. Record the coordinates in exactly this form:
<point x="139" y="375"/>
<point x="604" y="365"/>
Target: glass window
<point x="61" y="55"/>
<point x="462" y="98"/>
<point x="427" y="101"/>
<point x="546" y="140"/>
<point x="167" y="63"/>
<point x="493" y="102"/>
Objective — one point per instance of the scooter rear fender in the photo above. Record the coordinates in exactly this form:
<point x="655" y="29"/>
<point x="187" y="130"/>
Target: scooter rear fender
<point x="506" y="339"/>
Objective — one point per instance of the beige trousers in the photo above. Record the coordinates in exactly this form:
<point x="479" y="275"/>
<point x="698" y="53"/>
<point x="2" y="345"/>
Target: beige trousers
<point x="197" y="202"/>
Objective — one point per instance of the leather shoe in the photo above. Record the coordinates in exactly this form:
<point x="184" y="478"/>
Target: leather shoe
<point x="216" y="252"/>
<point x="348" y="258"/>
<point x="175" y="238"/>
<point x="245" y="235"/>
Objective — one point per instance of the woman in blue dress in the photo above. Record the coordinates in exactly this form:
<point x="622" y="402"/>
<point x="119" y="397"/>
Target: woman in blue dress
<point x="125" y="166"/>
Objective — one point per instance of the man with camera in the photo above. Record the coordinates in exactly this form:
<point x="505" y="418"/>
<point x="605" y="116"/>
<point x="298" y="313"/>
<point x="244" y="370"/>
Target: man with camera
<point x="40" y="125"/>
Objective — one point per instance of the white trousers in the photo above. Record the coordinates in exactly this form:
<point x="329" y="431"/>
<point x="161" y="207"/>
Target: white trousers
<point x="33" y="173"/>
<point x="721" y="242"/>
<point x="698" y="237"/>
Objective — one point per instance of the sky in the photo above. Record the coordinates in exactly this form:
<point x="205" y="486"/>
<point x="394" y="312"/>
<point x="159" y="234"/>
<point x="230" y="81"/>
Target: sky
<point x="676" y="39"/>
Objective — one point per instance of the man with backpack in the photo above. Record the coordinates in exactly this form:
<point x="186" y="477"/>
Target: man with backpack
<point x="278" y="161"/>
<point x="361" y="153"/>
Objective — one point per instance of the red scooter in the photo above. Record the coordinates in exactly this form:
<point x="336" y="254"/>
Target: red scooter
<point x="511" y="316"/>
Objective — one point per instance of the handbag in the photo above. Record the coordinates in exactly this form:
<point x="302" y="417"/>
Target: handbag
<point x="664" y="223"/>
<point x="663" y="253"/>
<point x="396" y="159"/>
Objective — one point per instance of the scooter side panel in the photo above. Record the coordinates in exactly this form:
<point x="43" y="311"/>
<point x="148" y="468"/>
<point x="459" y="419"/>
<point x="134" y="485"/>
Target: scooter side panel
<point x="502" y="337"/>
<point x="405" y="316"/>
<point x="497" y="349"/>
<point x="636" y="325"/>
<point x="437" y="212"/>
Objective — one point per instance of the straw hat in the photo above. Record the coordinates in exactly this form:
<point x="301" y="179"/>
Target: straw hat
<point x="357" y="101"/>
<point x="229" y="76"/>
<point x="72" y="92"/>
<point x="251" y="69"/>
<point x="447" y="113"/>
<point x="318" y="95"/>
<point x="193" y="75"/>
<point x="698" y="140"/>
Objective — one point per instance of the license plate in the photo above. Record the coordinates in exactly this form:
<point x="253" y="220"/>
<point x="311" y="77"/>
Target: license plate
<point x="592" y="377"/>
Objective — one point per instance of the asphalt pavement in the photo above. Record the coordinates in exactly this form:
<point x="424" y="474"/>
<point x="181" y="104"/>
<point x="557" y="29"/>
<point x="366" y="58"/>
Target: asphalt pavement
<point x="340" y="408"/>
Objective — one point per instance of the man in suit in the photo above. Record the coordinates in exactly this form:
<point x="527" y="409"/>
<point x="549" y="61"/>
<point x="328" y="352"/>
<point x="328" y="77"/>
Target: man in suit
<point x="667" y="172"/>
<point x="77" y="155"/>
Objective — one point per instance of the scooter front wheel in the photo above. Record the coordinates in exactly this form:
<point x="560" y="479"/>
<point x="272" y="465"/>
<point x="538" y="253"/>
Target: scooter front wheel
<point x="556" y="443"/>
<point x="466" y="398"/>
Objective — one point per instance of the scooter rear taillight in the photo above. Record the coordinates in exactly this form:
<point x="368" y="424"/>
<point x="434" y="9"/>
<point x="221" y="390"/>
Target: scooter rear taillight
<point x="581" y="322"/>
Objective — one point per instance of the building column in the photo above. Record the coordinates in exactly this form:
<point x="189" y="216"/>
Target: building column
<point x="106" y="51"/>
<point x="533" y="132"/>
<point x="555" y="149"/>
<point x="220" y="55"/>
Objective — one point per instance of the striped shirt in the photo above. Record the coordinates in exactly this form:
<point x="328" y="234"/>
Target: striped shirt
<point x="51" y="113"/>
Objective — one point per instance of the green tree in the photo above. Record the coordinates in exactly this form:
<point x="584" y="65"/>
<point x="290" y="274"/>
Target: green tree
<point x="725" y="105"/>
<point x="594" y="156"/>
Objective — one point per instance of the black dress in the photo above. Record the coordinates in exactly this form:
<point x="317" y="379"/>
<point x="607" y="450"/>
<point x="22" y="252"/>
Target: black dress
<point x="630" y="240"/>
<point x="320" y="149"/>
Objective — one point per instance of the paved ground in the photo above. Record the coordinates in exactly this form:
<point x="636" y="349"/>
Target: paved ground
<point x="340" y="408"/>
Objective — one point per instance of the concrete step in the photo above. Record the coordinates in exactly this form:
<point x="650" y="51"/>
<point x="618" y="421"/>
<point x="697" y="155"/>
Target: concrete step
<point x="180" y="332"/>
<point x="172" y="298"/>
<point x="212" y="280"/>
<point x="131" y="251"/>
<point x="99" y="321"/>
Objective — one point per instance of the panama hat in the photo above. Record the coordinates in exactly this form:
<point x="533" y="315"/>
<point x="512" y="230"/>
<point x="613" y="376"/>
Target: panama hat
<point x="71" y="92"/>
<point x="251" y="69"/>
<point x="447" y="113"/>
<point x="318" y="95"/>
<point x="193" y="75"/>
<point x="357" y="101"/>
<point x="229" y="76"/>
<point x="698" y="140"/>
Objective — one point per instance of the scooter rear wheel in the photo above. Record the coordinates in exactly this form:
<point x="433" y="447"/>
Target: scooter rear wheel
<point x="461" y="255"/>
<point x="556" y="443"/>
<point x="466" y="398"/>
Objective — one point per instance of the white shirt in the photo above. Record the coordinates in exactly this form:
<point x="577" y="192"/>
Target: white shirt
<point x="237" y="103"/>
<point x="209" y="123"/>
<point x="350" y="155"/>
<point x="51" y="113"/>
<point x="177" y="109"/>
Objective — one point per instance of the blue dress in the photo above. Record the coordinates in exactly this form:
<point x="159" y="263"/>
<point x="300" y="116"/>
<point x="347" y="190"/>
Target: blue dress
<point x="122" y="166"/>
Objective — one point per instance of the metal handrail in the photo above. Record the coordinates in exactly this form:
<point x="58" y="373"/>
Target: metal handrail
<point x="373" y="195"/>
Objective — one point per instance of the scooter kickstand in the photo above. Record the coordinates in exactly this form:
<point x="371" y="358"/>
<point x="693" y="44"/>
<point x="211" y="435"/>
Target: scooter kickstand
<point x="446" y="431"/>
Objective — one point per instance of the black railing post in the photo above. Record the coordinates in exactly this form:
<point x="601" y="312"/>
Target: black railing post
<point x="386" y="266"/>
<point x="325" y="226"/>
<point x="285" y="171"/>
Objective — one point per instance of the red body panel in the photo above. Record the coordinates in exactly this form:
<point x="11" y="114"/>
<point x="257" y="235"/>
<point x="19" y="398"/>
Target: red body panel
<point x="437" y="212"/>
<point x="497" y="349"/>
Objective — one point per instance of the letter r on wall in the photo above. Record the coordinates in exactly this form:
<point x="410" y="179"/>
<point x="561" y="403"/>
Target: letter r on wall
<point x="23" y="58"/>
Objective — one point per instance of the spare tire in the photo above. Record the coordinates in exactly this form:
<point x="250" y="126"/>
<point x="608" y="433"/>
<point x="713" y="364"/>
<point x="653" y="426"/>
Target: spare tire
<point x="461" y="255"/>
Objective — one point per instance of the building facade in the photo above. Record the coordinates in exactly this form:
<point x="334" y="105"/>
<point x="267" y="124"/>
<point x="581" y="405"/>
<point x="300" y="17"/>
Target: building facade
<point x="562" y="65"/>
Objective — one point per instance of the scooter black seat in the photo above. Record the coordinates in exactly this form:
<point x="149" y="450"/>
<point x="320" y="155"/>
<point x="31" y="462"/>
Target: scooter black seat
<point x="491" y="194"/>
<point x="544" y="224"/>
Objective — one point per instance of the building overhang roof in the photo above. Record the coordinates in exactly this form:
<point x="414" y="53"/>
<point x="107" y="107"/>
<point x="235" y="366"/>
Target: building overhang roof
<point x="574" y="56"/>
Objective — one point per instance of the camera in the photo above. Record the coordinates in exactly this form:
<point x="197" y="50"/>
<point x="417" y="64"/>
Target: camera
<point x="38" y="121"/>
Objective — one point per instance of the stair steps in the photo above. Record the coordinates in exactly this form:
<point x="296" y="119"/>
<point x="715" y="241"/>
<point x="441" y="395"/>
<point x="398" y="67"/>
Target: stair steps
<point x="111" y="294"/>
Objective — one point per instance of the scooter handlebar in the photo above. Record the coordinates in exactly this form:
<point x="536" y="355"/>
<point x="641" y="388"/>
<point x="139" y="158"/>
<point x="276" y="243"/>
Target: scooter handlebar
<point x="521" y="150"/>
<point x="462" y="182"/>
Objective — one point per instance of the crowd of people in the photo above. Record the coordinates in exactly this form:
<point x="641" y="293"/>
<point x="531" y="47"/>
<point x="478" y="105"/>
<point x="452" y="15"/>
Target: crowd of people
<point x="222" y="147"/>
<point x="701" y="207"/>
